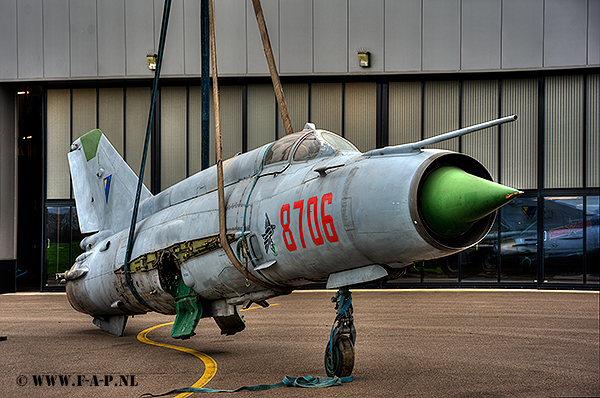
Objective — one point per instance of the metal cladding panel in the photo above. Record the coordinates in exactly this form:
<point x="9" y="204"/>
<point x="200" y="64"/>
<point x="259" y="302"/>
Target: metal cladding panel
<point x="174" y="49"/>
<point x="522" y="33"/>
<point x="326" y="106"/>
<point x="441" y="112"/>
<point x="441" y="35"/>
<point x="480" y="104"/>
<point x="8" y="41"/>
<point x="195" y="130"/>
<point x="136" y="121"/>
<point x="111" y="38"/>
<point x="261" y="115"/>
<point x="230" y="26"/>
<point x="296" y="98"/>
<point x="231" y="120"/>
<point x="59" y="142"/>
<point x="30" y="40"/>
<point x="110" y="116"/>
<point x="191" y="37"/>
<point x="139" y="36"/>
<point x="593" y="131"/>
<point x="405" y="112"/>
<point x="330" y="27"/>
<point x="565" y="33"/>
<point x="84" y="40"/>
<point x="257" y="64"/>
<point x="57" y="54"/>
<point x="402" y="36"/>
<point x="296" y="46"/>
<point x="481" y="25"/>
<point x="365" y="31"/>
<point x="519" y="150"/>
<point x="173" y="117"/>
<point x="84" y="111"/>
<point x="563" y="157"/>
<point x="360" y="115"/>
<point x="593" y="35"/>
<point x="8" y="175"/>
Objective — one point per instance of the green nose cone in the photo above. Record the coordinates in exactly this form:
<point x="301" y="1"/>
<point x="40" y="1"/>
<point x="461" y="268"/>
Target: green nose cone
<point x="452" y="200"/>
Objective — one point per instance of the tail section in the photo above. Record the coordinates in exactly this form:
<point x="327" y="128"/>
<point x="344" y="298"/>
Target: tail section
<point x="103" y="183"/>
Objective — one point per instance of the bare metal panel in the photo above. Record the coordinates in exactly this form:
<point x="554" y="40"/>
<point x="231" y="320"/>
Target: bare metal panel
<point x="364" y="32"/>
<point x="137" y="107"/>
<point x="565" y="32"/>
<point x="519" y="151"/>
<point x="481" y="24"/>
<point x="30" y="41"/>
<point x="480" y="104"/>
<point x="110" y="116"/>
<point x="111" y="38"/>
<point x="296" y="98"/>
<point x="330" y="24"/>
<point x="57" y="54"/>
<point x="8" y="39"/>
<point x="522" y="33"/>
<point x="261" y="115"/>
<point x="172" y="135"/>
<point x="360" y="115"/>
<point x="231" y="120"/>
<point x="296" y="47"/>
<point x="255" y="53"/>
<point x="405" y="112"/>
<point x="593" y="36"/>
<point x="230" y="26"/>
<point x="58" y="143"/>
<point x="174" y="49"/>
<point x="402" y="36"/>
<point x="326" y="106"/>
<point x="84" y="111"/>
<point x="191" y="37"/>
<point x="441" y="112"/>
<point x="8" y="175"/>
<point x="84" y="40"/>
<point x="139" y="36"/>
<point x="593" y="131"/>
<point x="441" y="34"/>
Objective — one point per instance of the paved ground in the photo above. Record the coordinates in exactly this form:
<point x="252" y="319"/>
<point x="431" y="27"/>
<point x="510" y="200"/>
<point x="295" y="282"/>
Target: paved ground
<point x="410" y="343"/>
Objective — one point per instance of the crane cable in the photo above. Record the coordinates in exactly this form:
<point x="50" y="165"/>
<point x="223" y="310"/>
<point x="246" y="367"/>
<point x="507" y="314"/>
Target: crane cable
<point x="219" y="152"/>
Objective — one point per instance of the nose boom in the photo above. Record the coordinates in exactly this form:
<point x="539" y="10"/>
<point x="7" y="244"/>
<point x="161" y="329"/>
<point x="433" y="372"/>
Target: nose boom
<point x="452" y="200"/>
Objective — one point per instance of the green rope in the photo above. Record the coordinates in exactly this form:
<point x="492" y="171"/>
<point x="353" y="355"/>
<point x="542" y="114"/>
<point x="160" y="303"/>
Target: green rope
<point x="303" y="382"/>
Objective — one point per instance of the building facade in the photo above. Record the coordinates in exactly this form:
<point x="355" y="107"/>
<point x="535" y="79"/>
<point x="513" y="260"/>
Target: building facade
<point x="69" y="66"/>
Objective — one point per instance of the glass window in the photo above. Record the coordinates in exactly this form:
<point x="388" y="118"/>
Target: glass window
<point x="338" y="142"/>
<point x="62" y="241"/>
<point x="563" y="239"/>
<point x="592" y="239"/>
<point x="518" y="245"/>
<point x="441" y="269"/>
<point x="480" y="262"/>
<point x="308" y="149"/>
<point x="280" y="150"/>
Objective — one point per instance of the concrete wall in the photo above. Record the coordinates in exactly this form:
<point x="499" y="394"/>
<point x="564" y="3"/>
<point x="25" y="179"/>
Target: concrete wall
<point x="101" y="39"/>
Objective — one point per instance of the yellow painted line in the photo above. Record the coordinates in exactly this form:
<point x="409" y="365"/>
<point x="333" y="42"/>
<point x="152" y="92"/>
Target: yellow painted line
<point x="210" y="365"/>
<point x="259" y="307"/>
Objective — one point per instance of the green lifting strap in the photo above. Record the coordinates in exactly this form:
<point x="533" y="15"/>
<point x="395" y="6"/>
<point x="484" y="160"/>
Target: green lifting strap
<point x="303" y="382"/>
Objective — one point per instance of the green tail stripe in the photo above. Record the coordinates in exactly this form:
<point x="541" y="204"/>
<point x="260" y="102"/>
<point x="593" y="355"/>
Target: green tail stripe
<point x="90" y="143"/>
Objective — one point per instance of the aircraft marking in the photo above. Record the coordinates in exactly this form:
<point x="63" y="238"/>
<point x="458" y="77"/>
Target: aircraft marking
<point x="210" y="365"/>
<point x="312" y="219"/>
<point x="107" y="186"/>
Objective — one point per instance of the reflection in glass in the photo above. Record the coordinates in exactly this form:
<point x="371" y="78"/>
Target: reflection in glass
<point x="592" y="239"/>
<point x="480" y="262"/>
<point x="518" y="246"/>
<point x="563" y="239"/>
<point x="441" y="269"/>
<point x="62" y="241"/>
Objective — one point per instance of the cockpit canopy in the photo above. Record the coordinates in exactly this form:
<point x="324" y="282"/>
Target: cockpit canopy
<point x="307" y="146"/>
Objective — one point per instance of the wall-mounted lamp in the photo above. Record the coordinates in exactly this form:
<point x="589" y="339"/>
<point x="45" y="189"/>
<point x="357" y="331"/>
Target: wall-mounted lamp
<point x="364" y="58"/>
<point x="151" y="57"/>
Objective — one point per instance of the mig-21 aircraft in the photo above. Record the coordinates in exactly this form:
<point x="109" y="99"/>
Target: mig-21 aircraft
<point x="306" y="208"/>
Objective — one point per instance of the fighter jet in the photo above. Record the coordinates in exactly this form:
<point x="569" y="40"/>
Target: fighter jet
<point x="309" y="207"/>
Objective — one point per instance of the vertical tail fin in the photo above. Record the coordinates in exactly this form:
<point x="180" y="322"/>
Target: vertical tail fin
<point x="103" y="183"/>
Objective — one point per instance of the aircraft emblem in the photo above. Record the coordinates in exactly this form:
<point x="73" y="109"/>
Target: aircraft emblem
<point x="268" y="235"/>
<point x="107" y="186"/>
